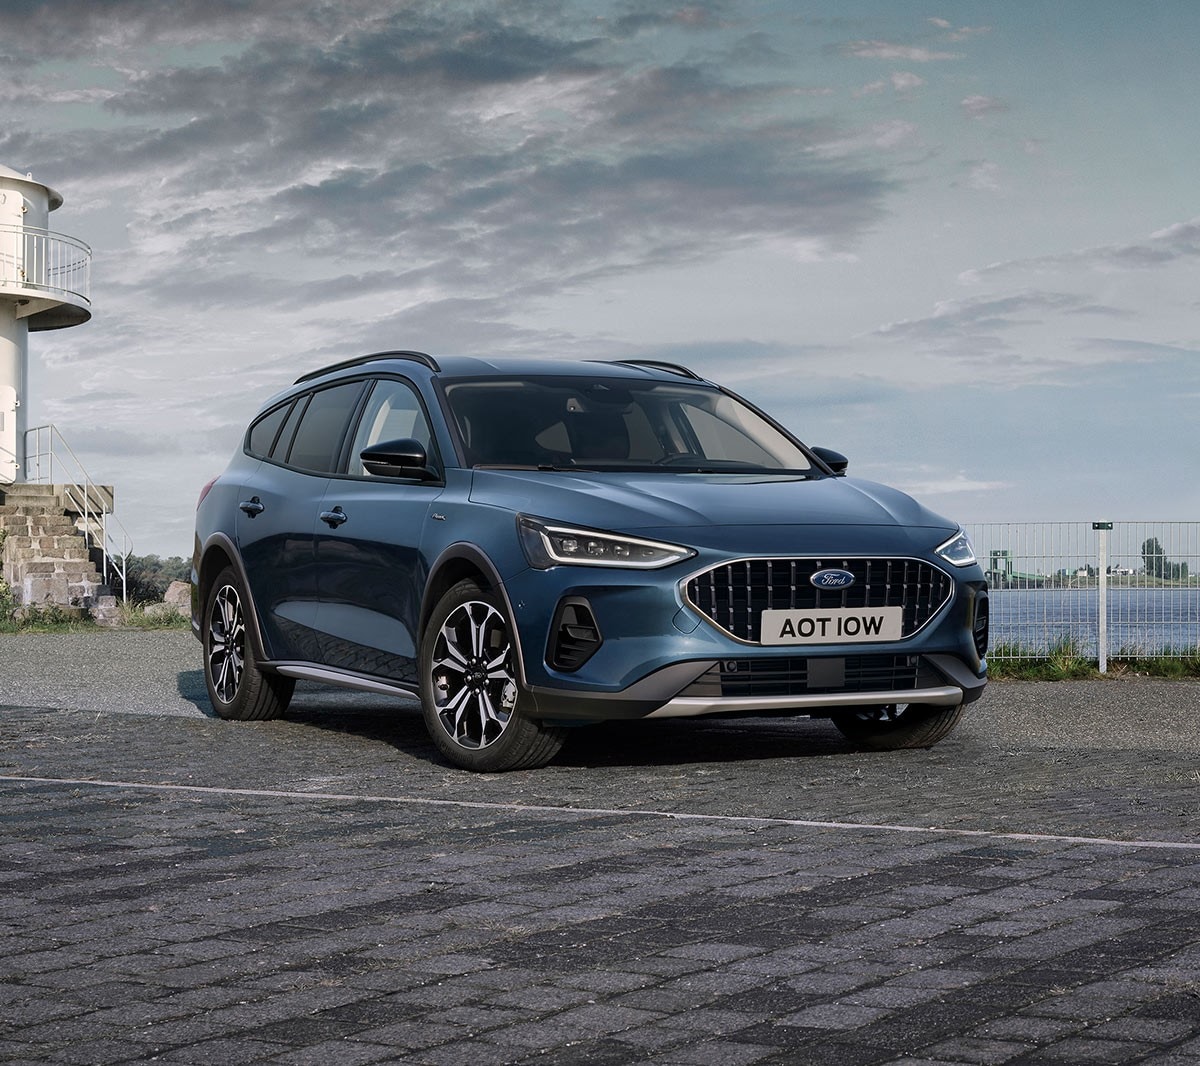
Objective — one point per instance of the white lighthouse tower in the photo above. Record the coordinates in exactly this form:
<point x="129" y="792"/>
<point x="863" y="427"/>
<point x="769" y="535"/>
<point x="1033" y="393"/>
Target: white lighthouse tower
<point x="44" y="284"/>
<point x="53" y="534"/>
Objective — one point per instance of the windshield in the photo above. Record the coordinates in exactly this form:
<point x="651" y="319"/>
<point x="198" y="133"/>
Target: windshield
<point x="564" y="423"/>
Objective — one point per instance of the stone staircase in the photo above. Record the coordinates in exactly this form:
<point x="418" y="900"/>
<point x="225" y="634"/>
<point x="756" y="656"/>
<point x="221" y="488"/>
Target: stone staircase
<point x="46" y="559"/>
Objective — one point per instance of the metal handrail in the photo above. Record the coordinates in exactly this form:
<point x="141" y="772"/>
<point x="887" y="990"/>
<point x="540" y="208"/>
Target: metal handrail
<point x="49" y="460"/>
<point x="39" y="259"/>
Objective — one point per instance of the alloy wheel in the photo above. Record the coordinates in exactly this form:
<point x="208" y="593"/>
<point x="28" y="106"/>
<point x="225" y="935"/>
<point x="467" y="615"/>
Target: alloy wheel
<point x="474" y="686"/>
<point x="226" y="644"/>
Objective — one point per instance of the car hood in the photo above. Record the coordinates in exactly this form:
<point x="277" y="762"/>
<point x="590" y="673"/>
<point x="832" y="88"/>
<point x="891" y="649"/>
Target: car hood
<point x="666" y="504"/>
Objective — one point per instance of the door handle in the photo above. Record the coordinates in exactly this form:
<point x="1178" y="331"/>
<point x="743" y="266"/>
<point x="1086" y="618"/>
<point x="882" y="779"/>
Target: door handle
<point x="334" y="518"/>
<point x="253" y="506"/>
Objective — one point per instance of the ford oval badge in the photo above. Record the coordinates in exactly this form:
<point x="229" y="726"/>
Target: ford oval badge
<point x="832" y="579"/>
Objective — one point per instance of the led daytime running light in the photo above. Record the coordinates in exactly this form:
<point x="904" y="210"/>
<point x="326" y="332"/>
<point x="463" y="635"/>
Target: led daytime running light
<point x="548" y="545"/>
<point x="958" y="550"/>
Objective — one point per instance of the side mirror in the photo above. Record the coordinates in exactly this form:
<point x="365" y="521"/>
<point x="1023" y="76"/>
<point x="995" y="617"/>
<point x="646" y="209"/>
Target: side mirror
<point x="397" y="458"/>
<point x="836" y="461"/>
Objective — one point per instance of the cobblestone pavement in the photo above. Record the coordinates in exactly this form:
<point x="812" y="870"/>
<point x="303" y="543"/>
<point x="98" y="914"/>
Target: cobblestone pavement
<point x="322" y="889"/>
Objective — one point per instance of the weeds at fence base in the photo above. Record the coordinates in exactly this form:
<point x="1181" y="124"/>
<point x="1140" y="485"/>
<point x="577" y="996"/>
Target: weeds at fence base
<point x="1065" y="661"/>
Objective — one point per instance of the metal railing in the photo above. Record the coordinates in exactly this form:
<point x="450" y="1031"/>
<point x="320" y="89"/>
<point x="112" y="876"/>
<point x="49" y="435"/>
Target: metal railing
<point x="34" y="258"/>
<point x="1099" y="590"/>
<point x="50" y="461"/>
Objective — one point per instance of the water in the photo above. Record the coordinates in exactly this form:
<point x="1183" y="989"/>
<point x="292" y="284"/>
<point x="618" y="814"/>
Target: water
<point x="1140" y="621"/>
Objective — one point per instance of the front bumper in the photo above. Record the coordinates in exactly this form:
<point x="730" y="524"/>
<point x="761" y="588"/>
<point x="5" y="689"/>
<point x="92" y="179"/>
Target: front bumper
<point x="654" y="643"/>
<point x="680" y="691"/>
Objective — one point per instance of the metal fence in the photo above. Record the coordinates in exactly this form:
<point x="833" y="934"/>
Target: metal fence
<point x="1099" y="590"/>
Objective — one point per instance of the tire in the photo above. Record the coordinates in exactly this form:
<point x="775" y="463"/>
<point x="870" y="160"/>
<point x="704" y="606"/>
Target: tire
<point x="237" y="688"/>
<point x="898" y="725"/>
<point x="470" y="694"/>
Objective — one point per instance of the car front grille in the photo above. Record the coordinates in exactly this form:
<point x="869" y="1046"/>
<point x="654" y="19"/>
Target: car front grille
<point x="802" y="676"/>
<point x="733" y="596"/>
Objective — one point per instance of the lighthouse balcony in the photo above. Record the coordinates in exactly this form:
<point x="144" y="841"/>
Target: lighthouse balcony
<point x="49" y="274"/>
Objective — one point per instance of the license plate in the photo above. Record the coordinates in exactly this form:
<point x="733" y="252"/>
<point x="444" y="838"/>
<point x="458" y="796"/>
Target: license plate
<point x="847" y="625"/>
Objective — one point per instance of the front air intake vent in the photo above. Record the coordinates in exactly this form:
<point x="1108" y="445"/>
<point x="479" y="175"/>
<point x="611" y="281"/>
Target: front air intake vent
<point x="574" y="635"/>
<point x="979" y="630"/>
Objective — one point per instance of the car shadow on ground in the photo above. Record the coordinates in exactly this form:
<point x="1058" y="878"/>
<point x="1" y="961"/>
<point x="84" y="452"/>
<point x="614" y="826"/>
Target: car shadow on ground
<point x="190" y="684"/>
<point x="606" y="744"/>
<point x="659" y="742"/>
<point x="708" y="740"/>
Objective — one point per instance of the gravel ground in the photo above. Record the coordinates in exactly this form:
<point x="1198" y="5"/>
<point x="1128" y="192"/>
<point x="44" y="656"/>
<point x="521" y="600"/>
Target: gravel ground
<point x="158" y="672"/>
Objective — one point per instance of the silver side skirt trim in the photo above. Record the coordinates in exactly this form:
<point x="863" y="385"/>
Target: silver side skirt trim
<point x="694" y="706"/>
<point x="327" y="676"/>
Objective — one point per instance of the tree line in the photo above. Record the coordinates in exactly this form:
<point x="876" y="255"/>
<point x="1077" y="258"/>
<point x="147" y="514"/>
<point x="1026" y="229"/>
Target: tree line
<point x="1158" y="565"/>
<point x="147" y="576"/>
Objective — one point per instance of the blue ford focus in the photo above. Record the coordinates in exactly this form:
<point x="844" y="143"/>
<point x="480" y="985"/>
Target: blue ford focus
<point x="531" y="546"/>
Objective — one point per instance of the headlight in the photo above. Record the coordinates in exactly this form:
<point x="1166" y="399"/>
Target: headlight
<point x="548" y="544"/>
<point x="958" y="550"/>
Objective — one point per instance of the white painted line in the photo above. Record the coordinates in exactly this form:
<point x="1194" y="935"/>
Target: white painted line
<point x="632" y="812"/>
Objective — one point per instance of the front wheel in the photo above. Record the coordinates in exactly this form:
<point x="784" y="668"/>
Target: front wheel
<point x="898" y="725"/>
<point x="236" y="687"/>
<point x="470" y="697"/>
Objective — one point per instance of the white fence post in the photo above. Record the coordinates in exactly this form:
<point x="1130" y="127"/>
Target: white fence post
<point x="1102" y="529"/>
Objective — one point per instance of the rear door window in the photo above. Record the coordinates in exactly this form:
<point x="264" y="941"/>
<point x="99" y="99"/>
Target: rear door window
<point x="318" y="442"/>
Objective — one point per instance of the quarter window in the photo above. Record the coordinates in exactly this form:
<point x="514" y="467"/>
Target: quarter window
<point x="263" y="433"/>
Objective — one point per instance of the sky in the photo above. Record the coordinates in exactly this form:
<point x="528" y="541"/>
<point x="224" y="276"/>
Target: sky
<point x="957" y="241"/>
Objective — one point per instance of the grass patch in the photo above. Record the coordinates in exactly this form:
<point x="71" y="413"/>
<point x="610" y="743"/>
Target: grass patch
<point x="49" y="619"/>
<point x="153" y="616"/>
<point x="54" y="619"/>
<point x="1065" y="662"/>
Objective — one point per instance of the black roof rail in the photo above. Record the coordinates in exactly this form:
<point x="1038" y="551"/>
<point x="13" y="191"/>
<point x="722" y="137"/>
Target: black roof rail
<point x="362" y="360"/>
<point x="655" y="364"/>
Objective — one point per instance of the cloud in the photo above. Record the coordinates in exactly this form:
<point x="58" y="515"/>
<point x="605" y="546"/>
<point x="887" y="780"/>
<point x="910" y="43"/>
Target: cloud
<point x="895" y="52"/>
<point x="901" y="81"/>
<point x="977" y="107"/>
<point x="274" y="185"/>
<point x="964" y="33"/>
<point x="937" y="483"/>
<point x="103" y="441"/>
<point x="1006" y="340"/>
<point x="881" y="137"/>
<point x="1123" y="349"/>
<point x="1177" y="243"/>
<point x="993" y="313"/>
<point x="983" y="176"/>
<point x="522" y="150"/>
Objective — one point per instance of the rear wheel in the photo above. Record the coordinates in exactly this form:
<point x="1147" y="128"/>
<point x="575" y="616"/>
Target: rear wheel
<point x="898" y="725"/>
<point x="470" y="697"/>
<point x="236" y="687"/>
